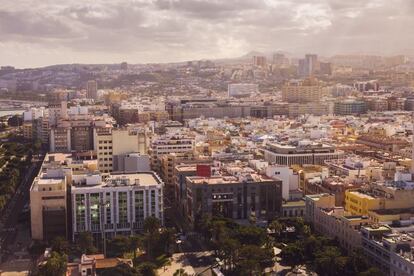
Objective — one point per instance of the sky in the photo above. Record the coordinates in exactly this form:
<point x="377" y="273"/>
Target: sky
<point x="44" y="32"/>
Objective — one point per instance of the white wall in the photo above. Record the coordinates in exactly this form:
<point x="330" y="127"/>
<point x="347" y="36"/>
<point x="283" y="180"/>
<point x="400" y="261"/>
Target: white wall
<point x="290" y="181"/>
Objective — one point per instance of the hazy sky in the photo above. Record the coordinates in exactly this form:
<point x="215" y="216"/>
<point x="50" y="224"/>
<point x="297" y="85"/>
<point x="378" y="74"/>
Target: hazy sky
<point x="43" y="32"/>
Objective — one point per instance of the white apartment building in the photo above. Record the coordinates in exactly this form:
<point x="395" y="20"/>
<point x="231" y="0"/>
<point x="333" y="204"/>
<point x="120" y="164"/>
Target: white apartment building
<point x="119" y="205"/>
<point x="290" y="180"/>
<point x="305" y="152"/>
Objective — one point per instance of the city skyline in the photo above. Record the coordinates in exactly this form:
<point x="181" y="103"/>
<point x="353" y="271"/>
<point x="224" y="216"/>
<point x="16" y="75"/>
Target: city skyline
<point x="60" y="32"/>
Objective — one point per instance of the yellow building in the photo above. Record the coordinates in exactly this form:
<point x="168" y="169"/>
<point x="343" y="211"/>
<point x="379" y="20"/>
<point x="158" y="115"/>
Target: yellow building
<point x="388" y="216"/>
<point x="358" y="203"/>
<point x="28" y="130"/>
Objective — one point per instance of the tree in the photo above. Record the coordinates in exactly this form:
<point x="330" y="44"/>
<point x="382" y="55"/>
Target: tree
<point x="254" y="259"/>
<point x="163" y="261"/>
<point x="329" y="261"/>
<point x="228" y="251"/>
<point x="15" y="121"/>
<point x="60" y="245"/>
<point x="55" y="265"/>
<point x="147" y="269"/>
<point x="118" y="246"/>
<point x="167" y="238"/>
<point x="373" y="271"/>
<point x="292" y="254"/>
<point x="85" y="243"/>
<point x="151" y="230"/>
<point x="251" y="235"/>
<point x="121" y="270"/>
<point x="151" y="225"/>
<point x="356" y="262"/>
<point x="135" y="242"/>
<point x="276" y="227"/>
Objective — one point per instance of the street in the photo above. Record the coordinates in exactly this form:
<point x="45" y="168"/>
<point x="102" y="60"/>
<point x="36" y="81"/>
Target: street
<point x="9" y="221"/>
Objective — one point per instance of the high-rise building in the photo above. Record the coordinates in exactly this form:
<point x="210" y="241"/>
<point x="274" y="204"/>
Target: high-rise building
<point x="92" y="89"/>
<point x="308" y="66"/>
<point x="259" y="61"/>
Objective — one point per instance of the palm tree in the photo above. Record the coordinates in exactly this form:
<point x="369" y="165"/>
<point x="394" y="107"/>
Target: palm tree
<point x="151" y="225"/>
<point x="163" y="261"/>
<point x="277" y="227"/>
<point x="135" y="242"/>
<point x="151" y="229"/>
<point x="168" y="236"/>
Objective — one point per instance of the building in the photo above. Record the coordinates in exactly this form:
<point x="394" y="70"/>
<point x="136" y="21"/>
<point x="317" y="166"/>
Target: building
<point x="28" y="130"/>
<point x="92" y="89"/>
<point x="124" y="66"/>
<point x="315" y="108"/>
<point x="308" y="66"/>
<point x="166" y="144"/>
<point x="118" y="142"/>
<point x="308" y="90"/>
<point x="139" y="110"/>
<point x="333" y="221"/>
<point x="259" y="61"/>
<point x="305" y="152"/>
<point x="132" y="162"/>
<point x="293" y="209"/>
<point x="75" y="131"/>
<point x="242" y="89"/>
<point x="232" y="108"/>
<point x="49" y="210"/>
<point x="382" y="142"/>
<point x="380" y="196"/>
<point x="120" y="204"/>
<point x="364" y="86"/>
<point x="250" y="196"/>
<point x="290" y="179"/>
<point x="92" y="265"/>
<point x="350" y="107"/>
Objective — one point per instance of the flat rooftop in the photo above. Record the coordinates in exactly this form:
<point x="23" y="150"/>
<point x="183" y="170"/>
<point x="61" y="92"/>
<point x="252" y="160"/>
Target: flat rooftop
<point x="361" y="194"/>
<point x="220" y="180"/>
<point x="123" y="180"/>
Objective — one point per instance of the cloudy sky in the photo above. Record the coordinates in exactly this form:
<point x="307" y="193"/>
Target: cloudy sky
<point x="43" y="32"/>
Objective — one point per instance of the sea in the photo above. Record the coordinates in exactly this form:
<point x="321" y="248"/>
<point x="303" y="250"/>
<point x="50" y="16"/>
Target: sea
<point x="11" y="112"/>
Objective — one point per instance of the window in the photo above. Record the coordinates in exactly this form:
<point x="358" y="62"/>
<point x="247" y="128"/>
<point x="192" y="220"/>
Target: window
<point x="80" y="212"/>
<point x="122" y="207"/>
<point x="94" y="209"/>
<point x="139" y="206"/>
<point x="153" y="203"/>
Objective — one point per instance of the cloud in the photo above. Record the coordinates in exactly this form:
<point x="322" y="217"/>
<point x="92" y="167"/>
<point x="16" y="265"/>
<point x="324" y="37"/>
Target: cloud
<point x="23" y="25"/>
<point x="170" y="30"/>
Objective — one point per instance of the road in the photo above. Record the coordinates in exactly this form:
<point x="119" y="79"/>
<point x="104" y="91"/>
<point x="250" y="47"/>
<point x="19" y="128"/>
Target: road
<point x="10" y="215"/>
